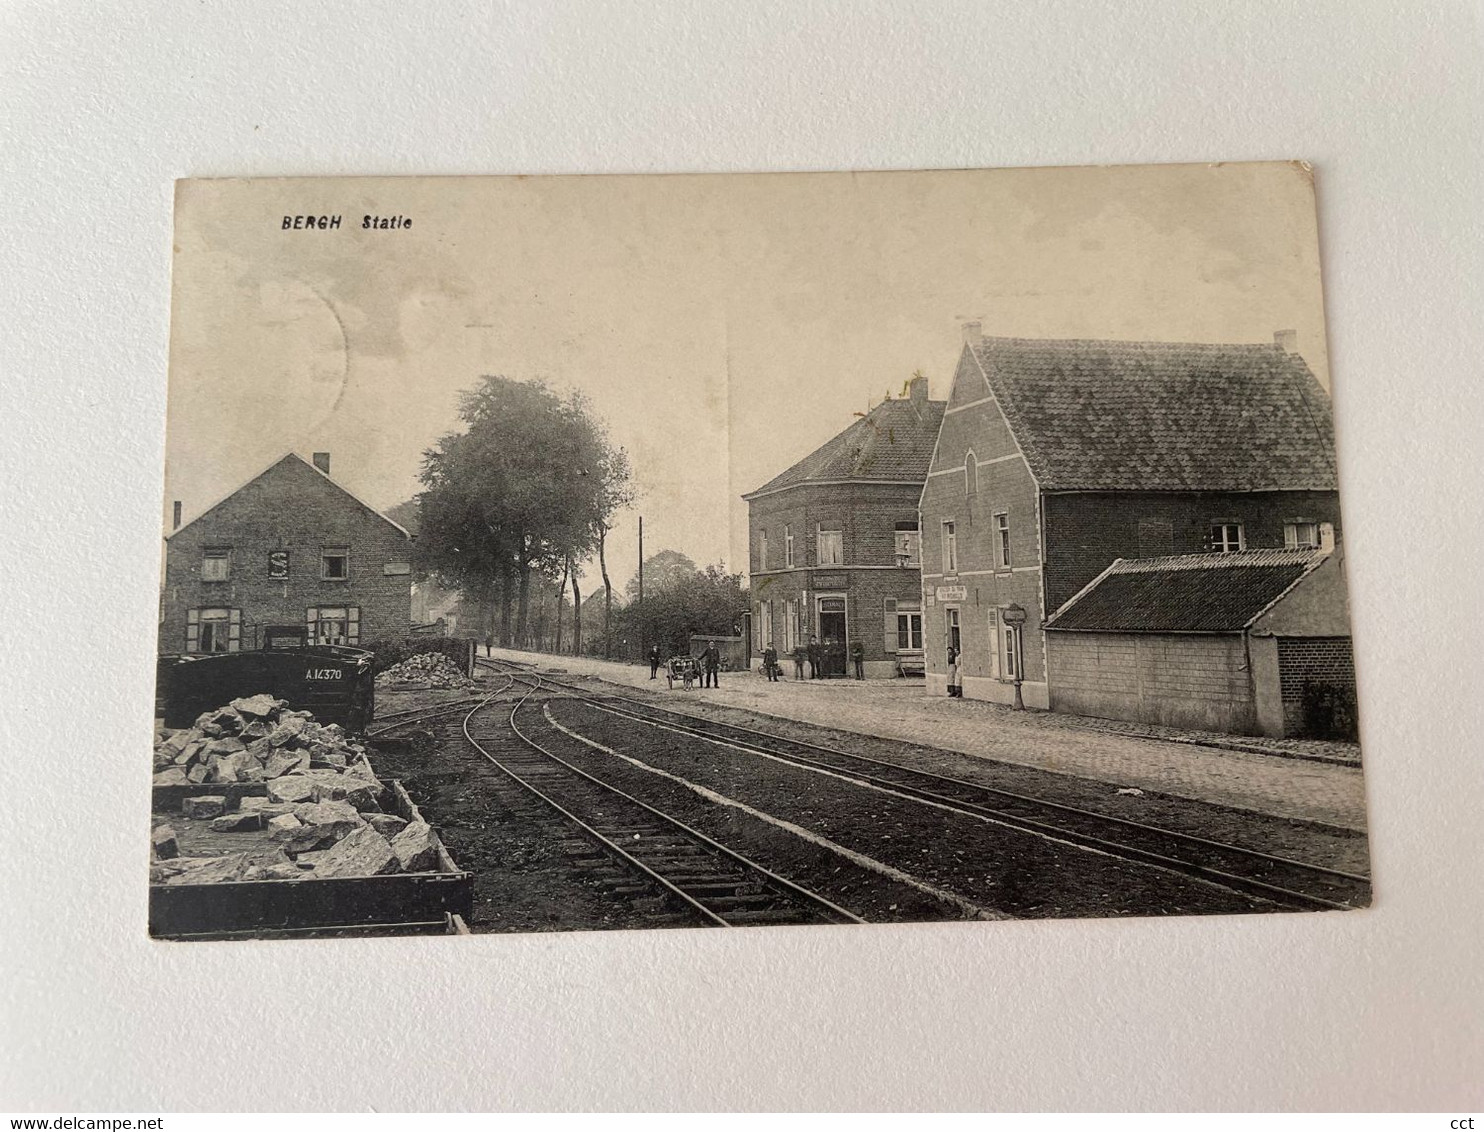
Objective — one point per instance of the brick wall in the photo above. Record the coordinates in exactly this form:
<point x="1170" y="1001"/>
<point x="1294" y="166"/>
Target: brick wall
<point x="1305" y="660"/>
<point x="1086" y="531"/>
<point x="867" y="515"/>
<point x="1189" y="680"/>
<point x="290" y="508"/>
<point x="1001" y="484"/>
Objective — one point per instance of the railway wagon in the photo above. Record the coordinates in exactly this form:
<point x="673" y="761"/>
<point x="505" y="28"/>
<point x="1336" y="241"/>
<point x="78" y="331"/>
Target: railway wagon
<point x="334" y="682"/>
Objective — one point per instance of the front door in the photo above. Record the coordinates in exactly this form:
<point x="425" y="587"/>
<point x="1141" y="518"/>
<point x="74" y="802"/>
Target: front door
<point x="832" y="635"/>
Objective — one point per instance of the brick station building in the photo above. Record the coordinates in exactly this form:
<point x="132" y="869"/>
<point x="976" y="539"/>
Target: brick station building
<point x="834" y="543"/>
<point x="289" y="547"/>
<point x="1058" y="457"/>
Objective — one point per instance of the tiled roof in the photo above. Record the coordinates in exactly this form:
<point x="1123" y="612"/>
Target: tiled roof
<point x="894" y="441"/>
<point x="1101" y="415"/>
<point x="1185" y="593"/>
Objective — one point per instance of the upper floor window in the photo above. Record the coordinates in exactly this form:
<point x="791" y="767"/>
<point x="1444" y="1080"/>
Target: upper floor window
<point x="1002" y="540"/>
<point x="1227" y="536"/>
<point x="788" y="545"/>
<point x="950" y="548"/>
<point x="762" y="550"/>
<point x="216" y="564"/>
<point x="971" y="474"/>
<point x="908" y="545"/>
<point x="334" y="564"/>
<point x="831" y="546"/>
<point x="1301" y="534"/>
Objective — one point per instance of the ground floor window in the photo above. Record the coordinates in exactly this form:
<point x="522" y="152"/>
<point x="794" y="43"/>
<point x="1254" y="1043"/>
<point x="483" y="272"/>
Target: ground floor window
<point x="1010" y="652"/>
<point x="334" y="625"/>
<point x="909" y="631"/>
<point x="950" y="629"/>
<point x="213" y="630"/>
<point x="765" y="623"/>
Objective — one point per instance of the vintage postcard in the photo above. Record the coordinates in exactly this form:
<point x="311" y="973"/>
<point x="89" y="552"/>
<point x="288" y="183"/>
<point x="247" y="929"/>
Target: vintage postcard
<point x="571" y="553"/>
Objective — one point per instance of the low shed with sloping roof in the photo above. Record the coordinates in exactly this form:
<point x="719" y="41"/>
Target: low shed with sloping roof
<point x="1252" y="642"/>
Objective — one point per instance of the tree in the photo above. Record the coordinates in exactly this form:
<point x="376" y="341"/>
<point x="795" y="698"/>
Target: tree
<point x="685" y="603"/>
<point x="528" y="487"/>
<point x="662" y="569"/>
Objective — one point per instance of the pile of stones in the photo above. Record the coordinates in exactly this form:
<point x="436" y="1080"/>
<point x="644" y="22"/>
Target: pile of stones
<point x="321" y="811"/>
<point x="425" y="670"/>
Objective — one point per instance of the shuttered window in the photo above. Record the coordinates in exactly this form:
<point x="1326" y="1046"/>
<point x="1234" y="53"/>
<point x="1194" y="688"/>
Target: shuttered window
<point x="213" y="630"/>
<point x="333" y="625"/>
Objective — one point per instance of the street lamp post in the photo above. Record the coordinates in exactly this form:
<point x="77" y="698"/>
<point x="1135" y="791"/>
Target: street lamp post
<point x="1014" y="616"/>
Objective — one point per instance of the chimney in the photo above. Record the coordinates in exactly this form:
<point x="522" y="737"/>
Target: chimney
<point x="917" y="389"/>
<point x="175" y="525"/>
<point x="322" y="462"/>
<point x="1286" y="340"/>
<point x="973" y="334"/>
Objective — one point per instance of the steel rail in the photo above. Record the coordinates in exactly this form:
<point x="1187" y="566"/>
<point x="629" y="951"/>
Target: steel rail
<point x="1249" y="885"/>
<point x="711" y="916"/>
<point x="382" y="724"/>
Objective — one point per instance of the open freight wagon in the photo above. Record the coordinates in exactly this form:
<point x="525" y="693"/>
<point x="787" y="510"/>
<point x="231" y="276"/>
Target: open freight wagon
<point x="334" y="682"/>
<point x="436" y="900"/>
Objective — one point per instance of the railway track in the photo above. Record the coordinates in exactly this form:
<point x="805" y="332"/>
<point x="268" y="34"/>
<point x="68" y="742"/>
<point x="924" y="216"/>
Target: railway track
<point x="395" y="721"/>
<point x="1280" y="881"/>
<point x="657" y="853"/>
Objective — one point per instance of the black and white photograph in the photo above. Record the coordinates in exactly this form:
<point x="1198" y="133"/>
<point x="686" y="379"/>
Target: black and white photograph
<point x="579" y="553"/>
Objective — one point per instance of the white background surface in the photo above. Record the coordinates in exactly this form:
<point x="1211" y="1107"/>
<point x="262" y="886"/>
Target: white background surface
<point x="101" y="110"/>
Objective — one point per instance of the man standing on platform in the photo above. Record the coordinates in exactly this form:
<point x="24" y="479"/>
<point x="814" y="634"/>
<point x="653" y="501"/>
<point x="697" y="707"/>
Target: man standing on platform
<point x="712" y="659"/>
<point x="654" y="662"/>
<point x="858" y="656"/>
<point x="814" y="662"/>
<point x="770" y="663"/>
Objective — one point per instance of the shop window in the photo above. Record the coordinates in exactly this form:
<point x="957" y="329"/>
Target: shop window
<point x="216" y="564"/>
<point x="334" y="564"/>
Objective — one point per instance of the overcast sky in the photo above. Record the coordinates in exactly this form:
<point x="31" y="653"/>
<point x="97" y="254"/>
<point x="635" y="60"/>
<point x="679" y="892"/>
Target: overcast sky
<point x="723" y="326"/>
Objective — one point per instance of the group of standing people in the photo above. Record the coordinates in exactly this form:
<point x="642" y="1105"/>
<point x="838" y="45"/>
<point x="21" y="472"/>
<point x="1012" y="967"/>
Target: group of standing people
<point x="709" y="662"/>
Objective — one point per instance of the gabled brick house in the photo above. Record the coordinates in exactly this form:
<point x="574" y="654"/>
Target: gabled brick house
<point x="834" y="543"/>
<point x="1057" y="457"/>
<point x="290" y="547"/>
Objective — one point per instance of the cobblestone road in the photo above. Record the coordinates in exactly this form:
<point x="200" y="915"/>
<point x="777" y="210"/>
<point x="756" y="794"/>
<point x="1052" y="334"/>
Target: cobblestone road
<point x="1285" y="787"/>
